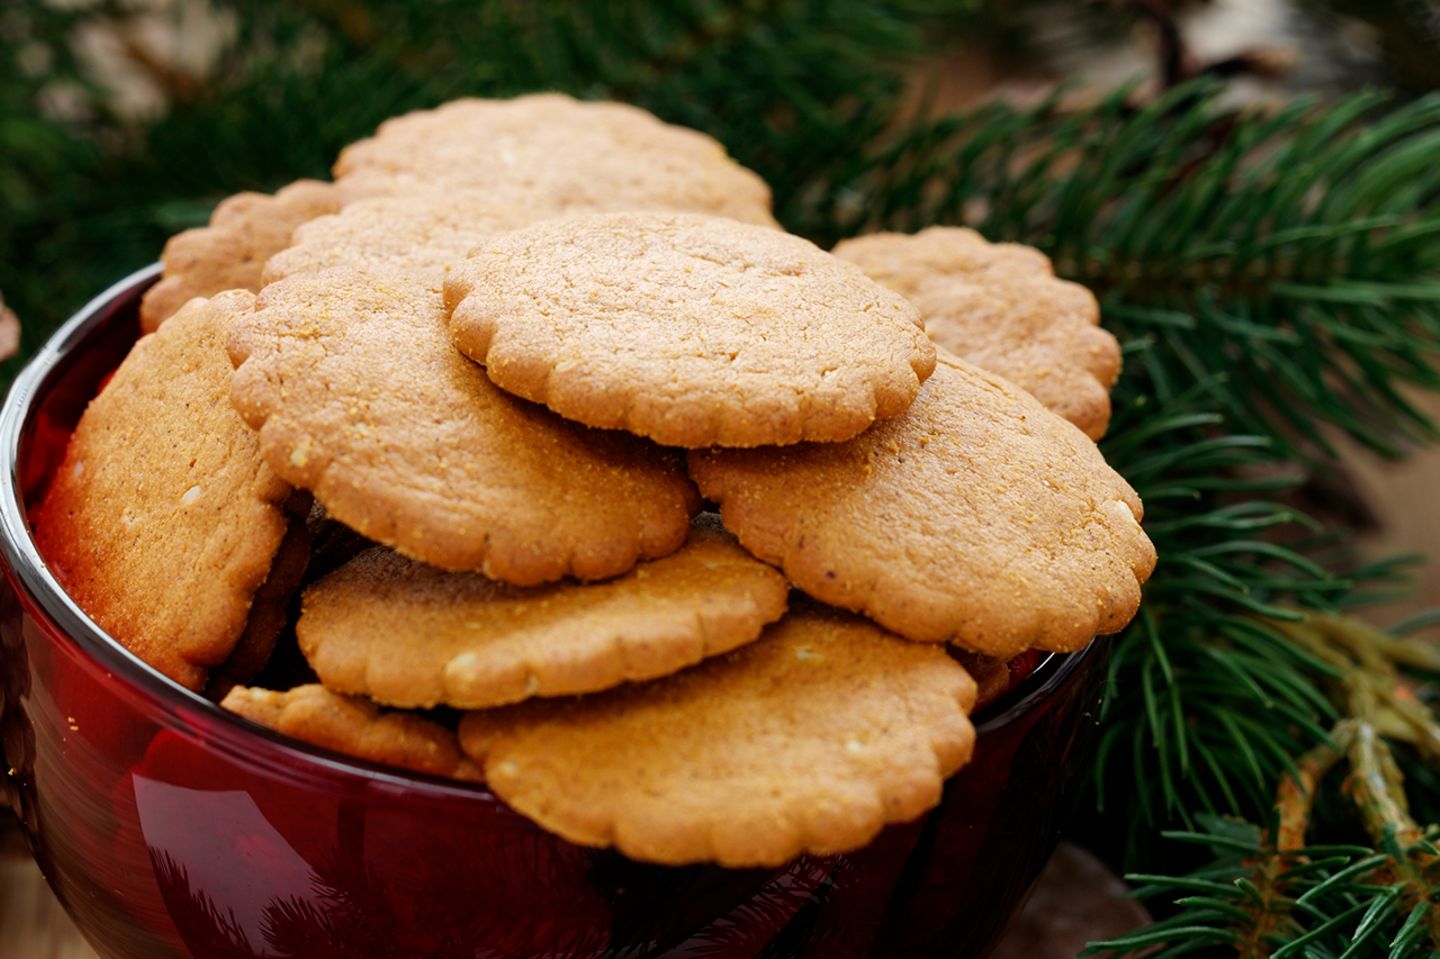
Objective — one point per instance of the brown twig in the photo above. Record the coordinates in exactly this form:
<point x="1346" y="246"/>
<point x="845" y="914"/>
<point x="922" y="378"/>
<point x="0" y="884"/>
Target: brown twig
<point x="1379" y="704"/>
<point x="1295" y="799"/>
<point x="1377" y="787"/>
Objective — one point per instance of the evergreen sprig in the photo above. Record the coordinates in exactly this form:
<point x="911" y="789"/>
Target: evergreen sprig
<point x="1314" y="902"/>
<point x="1271" y="277"/>
<point x="1271" y="895"/>
<point x="1274" y="277"/>
<point x="1285" y="262"/>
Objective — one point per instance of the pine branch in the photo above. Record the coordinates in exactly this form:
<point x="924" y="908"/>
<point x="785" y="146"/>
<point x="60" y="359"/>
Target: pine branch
<point x="1283" y="897"/>
<point x="1272" y="896"/>
<point x="1284" y="262"/>
<point x="1270" y="278"/>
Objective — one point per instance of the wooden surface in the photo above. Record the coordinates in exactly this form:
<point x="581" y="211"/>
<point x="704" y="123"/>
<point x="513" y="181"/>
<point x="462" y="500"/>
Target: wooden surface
<point x="32" y="924"/>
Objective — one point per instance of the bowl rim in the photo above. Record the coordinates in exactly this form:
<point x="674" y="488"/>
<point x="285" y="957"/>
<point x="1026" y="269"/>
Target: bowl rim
<point x="225" y="729"/>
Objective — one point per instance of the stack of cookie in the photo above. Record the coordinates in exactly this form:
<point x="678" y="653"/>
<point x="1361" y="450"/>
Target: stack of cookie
<point x="468" y="404"/>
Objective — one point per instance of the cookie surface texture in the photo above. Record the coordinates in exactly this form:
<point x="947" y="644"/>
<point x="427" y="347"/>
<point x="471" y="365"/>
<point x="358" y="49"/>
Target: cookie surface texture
<point x="230" y="253"/>
<point x="552" y="150"/>
<point x="355" y="728"/>
<point x="426" y="231"/>
<point x="808" y="740"/>
<point x="361" y="398"/>
<point x="1001" y="307"/>
<point x="688" y="329"/>
<point x="406" y="634"/>
<point x="978" y="517"/>
<point x="163" y="520"/>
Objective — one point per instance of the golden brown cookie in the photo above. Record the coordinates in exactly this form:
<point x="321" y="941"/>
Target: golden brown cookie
<point x="807" y="741"/>
<point x="978" y="517"/>
<point x="355" y="728"/>
<point x="1001" y="307"/>
<point x="244" y="232"/>
<point x="411" y="635"/>
<point x="361" y="398"/>
<point x="563" y="154"/>
<point x="163" y="519"/>
<point x="425" y="231"/>
<point x="688" y="329"/>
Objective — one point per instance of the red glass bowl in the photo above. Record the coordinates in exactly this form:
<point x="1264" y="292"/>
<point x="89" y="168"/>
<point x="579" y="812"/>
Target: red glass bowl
<point x="169" y="827"/>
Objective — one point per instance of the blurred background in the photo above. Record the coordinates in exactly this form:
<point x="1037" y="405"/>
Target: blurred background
<point x="125" y="121"/>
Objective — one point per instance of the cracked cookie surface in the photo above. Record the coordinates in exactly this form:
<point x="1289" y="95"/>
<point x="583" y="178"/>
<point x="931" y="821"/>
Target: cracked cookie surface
<point x="427" y="231"/>
<point x="230" y="253"/>
<point x="688" y="329"/>
<point x="164" y="519"/>
<point x="406" y="634"/>
<point x="1001" y="307"/>
<point x="977" y="516"/>
<point x="809" y="740"/>
<point x="561" y="153"/>
<point x="356" y="728"/>
<point x="361" y="398"/>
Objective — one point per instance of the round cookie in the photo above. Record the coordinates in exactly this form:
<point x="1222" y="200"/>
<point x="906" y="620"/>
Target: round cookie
<point x="406" y="634"/>
<point x="978" y="517"/>
<point x="806" y="741"/>
<point x="1001" y="307"/>
<point x="688" y="329"/>
<point x="163" y="520"/>
<point x="229" y="254"/>
<point x="558" y="152"/>
<point x="361" y="398"/>
<point x="429" y="230"/>
<point x="355" y="728"/>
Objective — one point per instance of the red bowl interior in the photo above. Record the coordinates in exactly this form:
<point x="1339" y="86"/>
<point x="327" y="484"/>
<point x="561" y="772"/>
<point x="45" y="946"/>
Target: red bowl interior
<point x="169" y="827"/>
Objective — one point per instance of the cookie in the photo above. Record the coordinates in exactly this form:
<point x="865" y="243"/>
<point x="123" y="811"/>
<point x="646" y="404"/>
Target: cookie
<point x="429" y="230"/>
<point x="229" y="254"/>
<point x="406" y="634"/>
<point x="978" y="517"/>
<point x="806" y="741"/>
<point x="355" y="728"/>
<point x="557" y="152"/>
<point x="163" y="520"/>
<point x="361" y="398"/>
<point x="1001" y="307"/>
<point x="688" y="329"/>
